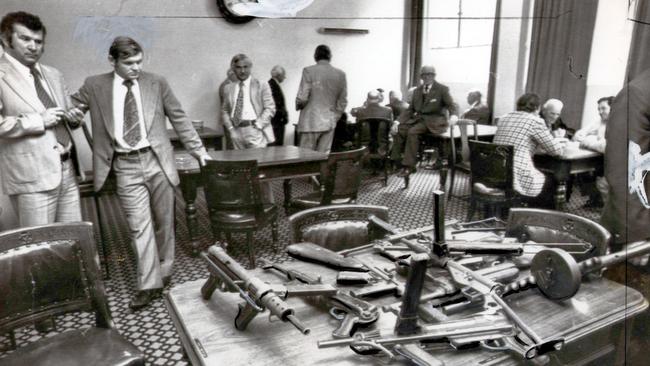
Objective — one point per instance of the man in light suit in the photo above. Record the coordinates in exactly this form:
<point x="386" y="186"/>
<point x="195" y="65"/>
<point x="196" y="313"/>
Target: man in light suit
<point x="247" y="107"/>
<point x="128" y="108"/>
<point x="321" y="100"/>
<point x="428" y="111"/>
<point x="37" y="152"/>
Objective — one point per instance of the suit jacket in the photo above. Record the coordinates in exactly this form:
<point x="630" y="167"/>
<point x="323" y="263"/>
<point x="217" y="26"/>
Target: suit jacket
<point x="322" y="97"/>
<point x="398" y="108"/>
<point x="262" y="101"/>
<point x="375" y="111"/>
<point x="433" y="108"/>
<point x="624" y="215"/>
<point x="28" y="162"/>
<point x="158" y="103"/>
<point x="280" y="118"/>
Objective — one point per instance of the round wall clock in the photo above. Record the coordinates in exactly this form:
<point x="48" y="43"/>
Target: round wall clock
<point x="229" y="14"/>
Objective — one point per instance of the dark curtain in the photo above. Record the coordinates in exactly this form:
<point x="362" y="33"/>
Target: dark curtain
<point x="639" y="59"/>
<point x="416" y="15"/>
<point x="559" y="54"/>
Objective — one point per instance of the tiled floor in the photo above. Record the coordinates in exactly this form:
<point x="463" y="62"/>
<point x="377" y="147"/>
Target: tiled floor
<point x="151" y="329"/>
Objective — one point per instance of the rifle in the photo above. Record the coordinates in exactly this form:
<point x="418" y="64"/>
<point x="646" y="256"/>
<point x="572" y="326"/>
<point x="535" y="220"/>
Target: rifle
<point x="315" y="253"/>
<point x="290" y="273"/>
<point x="229" y="275"/>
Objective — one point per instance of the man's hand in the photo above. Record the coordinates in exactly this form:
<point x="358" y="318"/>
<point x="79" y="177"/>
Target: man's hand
<point x="560" y="132"/>
<point x="234" y="135"/>
<point x="52" y="116"/>
<point x="75" y="114"/>
<point x="394" y="127"/>
<point x="203" y="159"/>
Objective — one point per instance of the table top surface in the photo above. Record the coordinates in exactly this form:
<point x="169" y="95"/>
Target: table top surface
<point x="482" y="131"/>
<point x="205" y="132"/>
<point x="571" y="154"/>
<point x="209" y="323"/>
<point x="266" y="156"/>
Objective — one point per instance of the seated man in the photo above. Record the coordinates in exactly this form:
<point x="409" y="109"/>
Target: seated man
<point x="524" y="130"/>
<point x="427" y="113"/>
<point x="477" y="111"/>
<point x="551" y="112"/>
<point x="374" y="135"/>
<point x="592" y="137"/>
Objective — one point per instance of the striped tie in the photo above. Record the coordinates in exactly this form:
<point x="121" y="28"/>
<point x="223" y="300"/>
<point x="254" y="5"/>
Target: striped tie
<point x="62" y="134"/>
<point x="239" y="106"/>
<point x="131" y="132"/>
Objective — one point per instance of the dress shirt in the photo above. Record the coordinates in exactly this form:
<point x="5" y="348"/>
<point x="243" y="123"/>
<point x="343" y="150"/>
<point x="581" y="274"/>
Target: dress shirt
<point x="119" y="94"/>
<point x="248" y="112"/>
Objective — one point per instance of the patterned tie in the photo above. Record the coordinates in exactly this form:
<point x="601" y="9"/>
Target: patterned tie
<point x="131" y="132"/>
<point x="239" y="106"/>
<point x="62" y="134"/>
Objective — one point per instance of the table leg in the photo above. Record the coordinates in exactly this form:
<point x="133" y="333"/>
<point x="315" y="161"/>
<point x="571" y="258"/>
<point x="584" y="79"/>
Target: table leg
<point x="560" y="195"/>
<point x="188" y="189"/>
<point x="286" y="185"/>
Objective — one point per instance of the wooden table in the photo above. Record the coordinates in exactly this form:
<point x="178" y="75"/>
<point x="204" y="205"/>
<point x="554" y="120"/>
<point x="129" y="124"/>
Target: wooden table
<point x="209" y="337"/>
<point x="573" y="161"/>
<point x="274" y="163"/>
<point x="210" y="137"/>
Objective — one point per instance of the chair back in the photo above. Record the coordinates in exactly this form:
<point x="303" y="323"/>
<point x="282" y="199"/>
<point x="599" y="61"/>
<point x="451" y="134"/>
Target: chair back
<point x="375" y="133"/>
<point x="337" y="227"/>
<point x="492" y="165"/>
<point x="548" y="226"/>
<point x="232" y="186"/>
<point x="50" y="270"/>
<point x="463" y="127"/>
<point x="342" y="175"/>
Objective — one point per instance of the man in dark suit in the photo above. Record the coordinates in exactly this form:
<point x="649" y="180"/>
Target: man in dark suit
<point x="280" y="118"/>
<point x="374" y="133"/>
<point x="128" y="108"/>
<point x="427" y="112"/>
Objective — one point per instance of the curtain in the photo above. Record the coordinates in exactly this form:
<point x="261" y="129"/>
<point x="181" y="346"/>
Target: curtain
<point x="416" y="15"/>
<point x="559" y="55"/>
<point x="639" y="58"/>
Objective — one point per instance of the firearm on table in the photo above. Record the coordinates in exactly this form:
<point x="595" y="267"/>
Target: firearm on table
<point x="226" y="273"/>
<point x="352" y="312"/>
<point x="290" y="273"/>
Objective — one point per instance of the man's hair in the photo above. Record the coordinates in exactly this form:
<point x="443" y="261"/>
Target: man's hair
<point x="124" y="47"/>
<point x="475" y="93"/>
<point x="31" y="21"/>
<point x="609" y="100"/>
<point x="240" y="57"/>
<point x="277" y="70"/>
<point x="554" y="102"/>
<point x="322" y="52"/>
<point x="528" y="102"/>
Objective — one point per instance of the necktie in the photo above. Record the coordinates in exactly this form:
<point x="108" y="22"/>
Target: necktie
<point x="62" y="134"/>
<point x="239" y="106"/>
<point x="131" y="132"/>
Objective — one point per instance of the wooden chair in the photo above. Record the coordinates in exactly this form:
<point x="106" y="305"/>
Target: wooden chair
<point x="51" y="270"/>
<point x="376" y="127"/>
<point x="340" y="181"/>
<point x="460" y="159"/>
<point x="548" y="226"/>
<point x="337" y="227"/>
<point x="232" y="192"/>
<point x="491" y="168"/>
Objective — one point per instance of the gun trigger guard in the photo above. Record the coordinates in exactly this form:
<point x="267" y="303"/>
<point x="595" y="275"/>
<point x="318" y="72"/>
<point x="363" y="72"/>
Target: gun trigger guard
<point x="372" y="349"/>
<point x="337" y="313"/>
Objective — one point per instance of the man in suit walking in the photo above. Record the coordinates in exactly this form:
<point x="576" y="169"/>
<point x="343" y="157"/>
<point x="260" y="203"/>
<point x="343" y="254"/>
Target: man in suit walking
<point x="128" y="108"/>
<point x="428" y="111"/>
<point x="37" y="152"/>
<point x="247" y="107"/>
<point x="280" y="118"/>
<point x="321" y="100"/>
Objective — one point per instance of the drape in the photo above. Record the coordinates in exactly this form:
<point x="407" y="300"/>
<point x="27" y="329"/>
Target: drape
<point x="559" y="56"/>
<point x="639" y="58"/>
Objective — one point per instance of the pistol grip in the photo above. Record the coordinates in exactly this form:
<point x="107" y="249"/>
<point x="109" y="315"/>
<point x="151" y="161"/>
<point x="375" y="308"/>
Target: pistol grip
<point x="209" y="287"/>
<point x="245" y="314"/>
<point x="347" y="325"/>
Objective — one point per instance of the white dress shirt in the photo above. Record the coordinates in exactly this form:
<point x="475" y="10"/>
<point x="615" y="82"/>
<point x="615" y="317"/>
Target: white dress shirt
<point x="119" y="94"/>
<point x="248" y="112"/>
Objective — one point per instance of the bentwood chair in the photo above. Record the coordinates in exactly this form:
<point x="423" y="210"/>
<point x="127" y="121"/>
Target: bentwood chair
<point x="233" y="195"/>
<point x="337" y="227"/>
<point x="460" y="158"/>
<point x="491" y="178"/>
<point x="341" y="179"/>
<point x="370" y="132"/>
<point x="51" y="270"/>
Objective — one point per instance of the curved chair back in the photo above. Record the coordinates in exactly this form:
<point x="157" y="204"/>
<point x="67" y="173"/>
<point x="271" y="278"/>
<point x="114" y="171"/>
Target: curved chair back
<point x="50" y="270"/>
<point x="232" y="186"/>
<point x="337" y="227"/>
<point x="342" y="175"/>
<point x="548" y="226"/>
<point x="492" y="165"/>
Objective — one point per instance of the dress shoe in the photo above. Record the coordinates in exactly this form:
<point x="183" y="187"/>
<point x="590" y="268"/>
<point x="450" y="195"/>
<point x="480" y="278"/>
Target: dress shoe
<point x="45" y="326"/>
<point x="143" y="298"/>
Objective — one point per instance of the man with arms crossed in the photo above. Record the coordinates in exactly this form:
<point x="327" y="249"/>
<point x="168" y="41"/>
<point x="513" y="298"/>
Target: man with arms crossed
<point x="128" y="108"/>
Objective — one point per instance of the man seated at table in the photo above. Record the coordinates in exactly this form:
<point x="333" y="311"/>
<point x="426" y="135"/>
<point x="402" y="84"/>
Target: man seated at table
<point x="374" y="135"/>
<point x="592" y="137"/>
<point x="428" y="112"/>
<point x="551" y="112"/>
<point x="477" y="111"/>
<point x="524" y="130"/>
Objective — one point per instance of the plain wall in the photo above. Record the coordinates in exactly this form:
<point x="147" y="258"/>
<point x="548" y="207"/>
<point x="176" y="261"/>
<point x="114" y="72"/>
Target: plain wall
<point x="191" y="45"/>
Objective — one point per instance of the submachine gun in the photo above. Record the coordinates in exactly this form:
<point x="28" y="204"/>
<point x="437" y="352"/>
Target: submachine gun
<point x="227" y="274"/>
